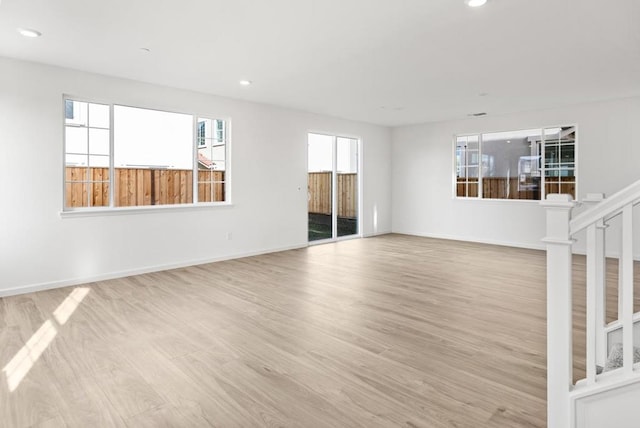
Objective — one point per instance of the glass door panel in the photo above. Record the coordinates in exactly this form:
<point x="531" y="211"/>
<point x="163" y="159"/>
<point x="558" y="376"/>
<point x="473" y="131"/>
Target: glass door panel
<point x="347" y="186"/>
<point x="320" y="185"/>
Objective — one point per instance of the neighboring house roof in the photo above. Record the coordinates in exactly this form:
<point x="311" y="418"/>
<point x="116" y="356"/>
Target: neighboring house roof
<point x="205" y="161"/>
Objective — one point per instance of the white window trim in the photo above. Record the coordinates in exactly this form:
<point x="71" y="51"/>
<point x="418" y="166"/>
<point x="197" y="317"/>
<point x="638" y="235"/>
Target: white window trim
<point x="479" y="198"/>
<point x="69" y="212"/>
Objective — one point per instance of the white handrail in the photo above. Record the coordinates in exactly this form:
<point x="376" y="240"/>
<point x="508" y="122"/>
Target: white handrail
<point x="608" y="208"/>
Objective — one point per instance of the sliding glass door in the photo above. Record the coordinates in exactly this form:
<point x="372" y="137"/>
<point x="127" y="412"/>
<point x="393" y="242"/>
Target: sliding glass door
<point x="333" y="187"/>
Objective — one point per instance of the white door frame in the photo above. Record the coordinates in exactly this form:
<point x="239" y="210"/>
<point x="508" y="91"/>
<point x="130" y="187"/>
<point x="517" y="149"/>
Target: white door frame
<point x="334" y="188"/>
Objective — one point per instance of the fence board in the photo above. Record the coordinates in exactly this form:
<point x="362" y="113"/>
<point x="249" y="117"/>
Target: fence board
<point x="164" y="182"/>
<point x="100" y="196"/>
<point x="132" y="175"/>
<point x="139" y="185"/>
<point x="147" y="188"/>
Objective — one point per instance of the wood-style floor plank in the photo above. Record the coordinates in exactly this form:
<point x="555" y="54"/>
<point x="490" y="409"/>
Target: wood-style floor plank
<point x="379" y="332"/>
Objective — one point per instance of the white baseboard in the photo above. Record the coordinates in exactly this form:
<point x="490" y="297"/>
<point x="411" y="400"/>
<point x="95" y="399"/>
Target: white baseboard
<point x="540" y="246"/>
<point x="379" y="233"/>
<point x="148" y="269"/>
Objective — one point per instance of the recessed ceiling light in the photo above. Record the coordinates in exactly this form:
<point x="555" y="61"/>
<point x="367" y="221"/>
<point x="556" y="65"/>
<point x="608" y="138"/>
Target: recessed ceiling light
<point x="245" y="82"/>
<point x="475" y="3"/>
<point x="28" y="32"/>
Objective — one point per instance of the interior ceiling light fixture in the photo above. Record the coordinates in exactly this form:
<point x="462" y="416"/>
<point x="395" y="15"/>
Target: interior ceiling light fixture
<point x="28" y="32"/>
<point x="475" y="3"/>
<point x="245" y="82"/>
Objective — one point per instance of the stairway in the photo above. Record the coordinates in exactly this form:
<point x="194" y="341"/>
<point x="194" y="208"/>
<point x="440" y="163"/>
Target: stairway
<point x="609" y="396"/>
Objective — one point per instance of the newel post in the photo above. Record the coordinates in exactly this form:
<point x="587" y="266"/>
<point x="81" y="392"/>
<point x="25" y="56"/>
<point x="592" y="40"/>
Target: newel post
<point x="559" y="309"/>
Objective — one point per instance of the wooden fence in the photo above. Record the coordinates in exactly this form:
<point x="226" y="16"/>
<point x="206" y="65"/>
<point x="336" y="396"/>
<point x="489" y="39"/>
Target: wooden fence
<point x="497" y="187"/>
<point x="77" y="186"/>
<point x="320" y="194"/>
<point x="141" y="186"/>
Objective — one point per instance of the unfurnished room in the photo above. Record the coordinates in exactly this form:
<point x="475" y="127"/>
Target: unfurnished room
<point x="320" y="213"/>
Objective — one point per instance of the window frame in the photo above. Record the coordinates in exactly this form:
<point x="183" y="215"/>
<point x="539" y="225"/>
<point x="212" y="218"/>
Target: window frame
<point x="543" y="169"/>
<point x="112" y="209"/>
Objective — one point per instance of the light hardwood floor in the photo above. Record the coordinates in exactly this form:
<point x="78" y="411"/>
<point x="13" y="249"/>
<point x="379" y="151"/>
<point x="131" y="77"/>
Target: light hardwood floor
<point x="379" y="332"/>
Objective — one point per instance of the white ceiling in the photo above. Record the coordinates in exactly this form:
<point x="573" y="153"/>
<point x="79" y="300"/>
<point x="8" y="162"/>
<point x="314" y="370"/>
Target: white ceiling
<point x="390" y="62"/>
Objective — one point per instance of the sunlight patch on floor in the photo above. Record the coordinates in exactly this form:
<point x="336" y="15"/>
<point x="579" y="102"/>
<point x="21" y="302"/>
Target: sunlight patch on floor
<point x="20" y="365"/>
<point x="70" y="304"/>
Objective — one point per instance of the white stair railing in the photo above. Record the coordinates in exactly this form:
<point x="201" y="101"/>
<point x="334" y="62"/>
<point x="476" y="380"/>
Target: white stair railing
<point x="561" y="230"/>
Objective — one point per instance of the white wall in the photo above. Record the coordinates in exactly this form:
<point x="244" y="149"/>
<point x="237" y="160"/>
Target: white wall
<point x="39" y="249"/>
<point x="422" y="171"/>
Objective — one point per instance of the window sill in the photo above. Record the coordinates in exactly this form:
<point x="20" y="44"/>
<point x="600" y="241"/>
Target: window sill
<point x="155" y="209"/>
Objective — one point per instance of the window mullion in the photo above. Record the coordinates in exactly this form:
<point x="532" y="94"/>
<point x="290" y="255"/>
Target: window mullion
<point x="479" y="166"/>
<point x="543" y="167"/>
<point x="87" y="179"/>
<point x="112" y="169"/>
<point x="466" y="168"/>
<point x="195" y="178"/>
